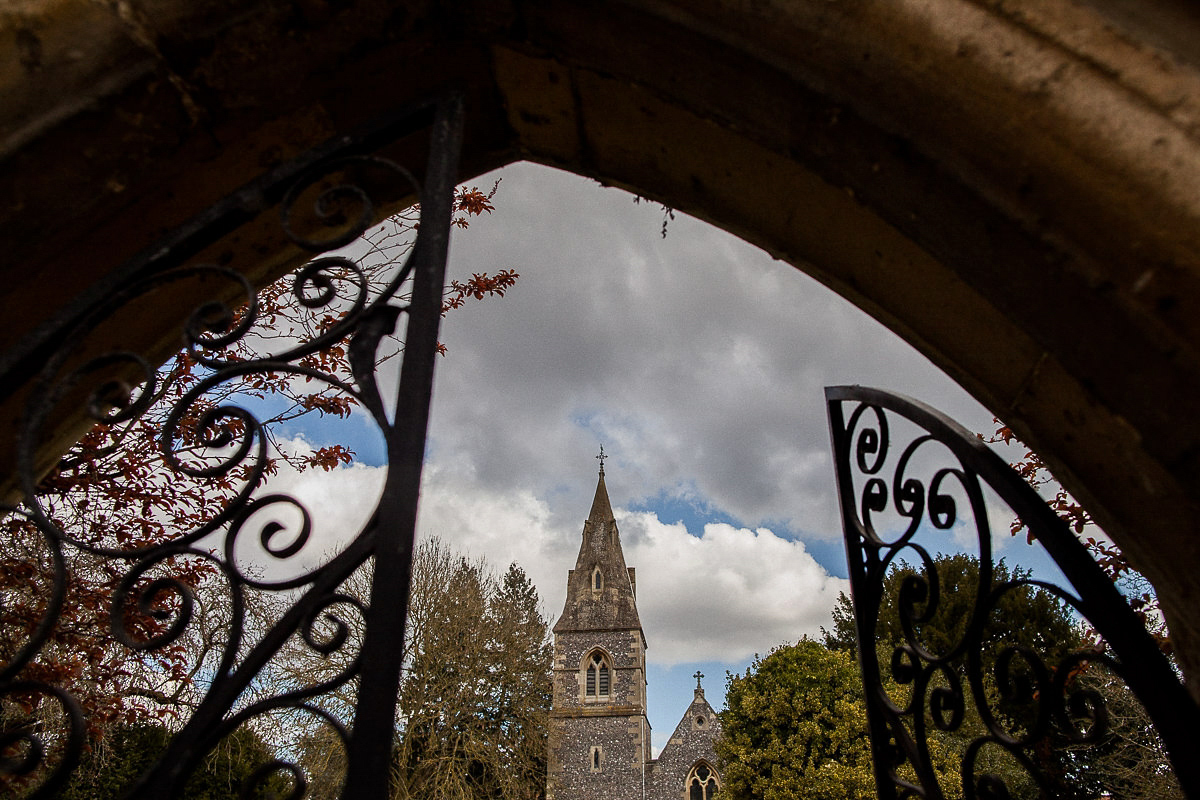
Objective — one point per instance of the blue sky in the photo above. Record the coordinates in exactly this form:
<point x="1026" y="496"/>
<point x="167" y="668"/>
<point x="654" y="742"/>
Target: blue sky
<point x="698" y="362"/>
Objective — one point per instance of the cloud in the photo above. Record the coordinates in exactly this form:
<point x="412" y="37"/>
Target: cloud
<point x="720" y="596"/>
<point x="725" y="595"/>
<point x="697" y="360"/>
<point x="338" y="504"/>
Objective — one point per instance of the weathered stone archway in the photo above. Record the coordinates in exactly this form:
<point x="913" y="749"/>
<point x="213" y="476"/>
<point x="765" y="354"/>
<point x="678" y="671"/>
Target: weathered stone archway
<point x="1010" y="187"/>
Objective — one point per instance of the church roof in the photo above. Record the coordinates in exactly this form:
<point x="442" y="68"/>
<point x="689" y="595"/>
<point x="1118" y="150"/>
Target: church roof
<point x="601" y="589"/>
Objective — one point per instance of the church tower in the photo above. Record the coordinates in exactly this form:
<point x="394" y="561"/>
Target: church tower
<point x="599" y="742"/>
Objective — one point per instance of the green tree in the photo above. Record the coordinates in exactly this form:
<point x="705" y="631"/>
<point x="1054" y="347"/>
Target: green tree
<point x="476" y="696"/>
<point x="796" y="727"/>
<point x="1129" y="762"/>
<point x="520" y="657"/>
<point x="1026" y="615"/>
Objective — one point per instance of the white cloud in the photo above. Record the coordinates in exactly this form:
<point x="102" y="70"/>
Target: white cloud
<point x="697" y="360"/>
<point x="338" y="503"/>
<point x="725" y="595"/>
<point x="720" y="596"/>
<point x="502" y="526"/>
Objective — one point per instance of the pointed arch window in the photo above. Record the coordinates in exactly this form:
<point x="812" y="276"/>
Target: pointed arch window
<point x="597" y="580"/>
<point x="702" y="782"/>
<point x="598" y="680"/>
<point x="597" y="758"/>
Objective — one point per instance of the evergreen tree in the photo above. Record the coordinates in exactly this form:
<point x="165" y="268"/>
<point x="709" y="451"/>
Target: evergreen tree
<point x="521" y="653"/>
<point x="474" y="694"/>
<point x="477" y="693"/>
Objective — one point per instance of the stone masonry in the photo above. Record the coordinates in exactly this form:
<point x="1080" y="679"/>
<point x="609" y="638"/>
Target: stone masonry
<point x="690" y="746"/>
<point x="599" y="742"/>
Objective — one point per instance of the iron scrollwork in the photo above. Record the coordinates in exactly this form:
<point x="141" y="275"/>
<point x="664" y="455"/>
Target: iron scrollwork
<point x="904" y="469"/>
<point x="155" y="600"/>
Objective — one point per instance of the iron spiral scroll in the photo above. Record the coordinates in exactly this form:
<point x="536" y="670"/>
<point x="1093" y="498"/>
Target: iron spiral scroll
<point x="890" y="489"/>
<point x="324" y="200"/>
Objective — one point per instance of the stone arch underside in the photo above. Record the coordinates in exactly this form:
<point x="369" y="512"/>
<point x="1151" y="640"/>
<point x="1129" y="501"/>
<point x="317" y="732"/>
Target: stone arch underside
<point x="1012" y="189"/>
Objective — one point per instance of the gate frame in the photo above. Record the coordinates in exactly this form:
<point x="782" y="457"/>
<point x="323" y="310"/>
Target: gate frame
<point x="388" y="536"/>
<point x="898" y="734"/>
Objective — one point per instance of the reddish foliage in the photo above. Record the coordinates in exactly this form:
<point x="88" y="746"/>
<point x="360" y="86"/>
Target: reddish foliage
<point x="331" y="457"/>
<point x="480" y="285"/>
<point x="1107" y="555"/>
<point x="336" y="405"/>
<point x="116" y="489"/>
<point x="473" y="202"/>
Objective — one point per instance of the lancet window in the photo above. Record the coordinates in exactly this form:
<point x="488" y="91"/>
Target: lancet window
<point x="599" y="677"/>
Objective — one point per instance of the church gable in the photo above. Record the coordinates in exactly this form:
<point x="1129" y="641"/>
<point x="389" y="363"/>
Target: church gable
<point x="686" y="768"/>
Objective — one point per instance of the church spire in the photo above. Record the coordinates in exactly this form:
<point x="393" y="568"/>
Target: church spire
<point x="601" y="509"/>
<point x="600" y="590"/>
<point x="598" y="742"/>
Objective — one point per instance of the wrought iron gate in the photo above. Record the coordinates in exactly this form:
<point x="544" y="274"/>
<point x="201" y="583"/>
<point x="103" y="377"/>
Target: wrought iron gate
<point x="325" y="201"/>
<point x="889" y="490"/>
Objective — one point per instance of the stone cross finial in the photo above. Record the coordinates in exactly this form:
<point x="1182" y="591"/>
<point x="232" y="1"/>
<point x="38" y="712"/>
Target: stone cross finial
<point x="601" y="457"/>
<point x="698" y="676"/>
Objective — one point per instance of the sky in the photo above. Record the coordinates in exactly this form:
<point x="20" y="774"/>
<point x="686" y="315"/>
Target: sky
<point x="698" y="362"/>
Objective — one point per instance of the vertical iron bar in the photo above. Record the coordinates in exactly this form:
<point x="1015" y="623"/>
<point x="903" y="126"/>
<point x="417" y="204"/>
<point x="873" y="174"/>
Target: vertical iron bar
<point x="370" y="749"/>
<point x="864" y="596"/>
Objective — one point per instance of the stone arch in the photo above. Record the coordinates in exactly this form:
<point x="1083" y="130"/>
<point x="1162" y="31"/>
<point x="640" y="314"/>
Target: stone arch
<point x="1011" y="189"/>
